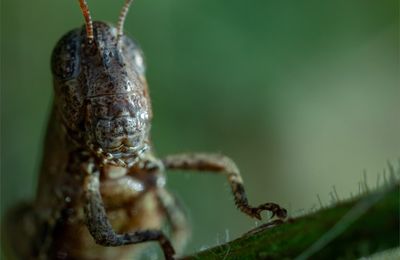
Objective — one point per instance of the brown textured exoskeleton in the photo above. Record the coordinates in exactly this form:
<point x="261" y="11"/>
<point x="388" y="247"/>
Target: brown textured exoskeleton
<point x="101" y="187"/>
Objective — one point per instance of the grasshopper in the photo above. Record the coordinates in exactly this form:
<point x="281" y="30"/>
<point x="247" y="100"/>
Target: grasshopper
<point x="101" y="191"/>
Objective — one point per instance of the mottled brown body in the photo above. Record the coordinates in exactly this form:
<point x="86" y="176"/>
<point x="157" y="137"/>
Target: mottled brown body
<point x="116" y="95"/>
<point x="128" y="195"/>
<point x="101" y="189"/>
<point x="101" y="108"/>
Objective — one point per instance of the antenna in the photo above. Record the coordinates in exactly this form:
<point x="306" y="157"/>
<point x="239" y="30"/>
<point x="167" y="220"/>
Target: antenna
<point x="121" y="19"/>
<point x="88" y="19"/>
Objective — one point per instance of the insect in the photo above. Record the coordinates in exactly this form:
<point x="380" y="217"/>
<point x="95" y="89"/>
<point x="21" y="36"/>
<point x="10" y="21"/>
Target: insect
<point x="101" y="190"/>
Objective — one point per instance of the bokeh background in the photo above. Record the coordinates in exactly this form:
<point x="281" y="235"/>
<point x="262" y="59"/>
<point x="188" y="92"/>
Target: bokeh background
<point x="303" y="95"/>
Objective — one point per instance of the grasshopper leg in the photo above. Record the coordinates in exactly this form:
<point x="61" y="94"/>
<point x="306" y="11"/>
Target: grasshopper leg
<point x="223" y="165"/>
<point x="177" y="219"/>
<point x="101" y="229"/>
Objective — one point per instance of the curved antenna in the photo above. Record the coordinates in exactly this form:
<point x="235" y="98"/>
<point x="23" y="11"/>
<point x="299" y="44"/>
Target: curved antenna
<point x="121" y="19"/>
<point x="88" y="19"/>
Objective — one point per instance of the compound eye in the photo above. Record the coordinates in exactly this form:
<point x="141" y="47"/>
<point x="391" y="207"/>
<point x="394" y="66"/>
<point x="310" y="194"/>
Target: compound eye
<point x="133" y="53"/>
<point x="139" y="62"/>
<point x="65" y="59"/>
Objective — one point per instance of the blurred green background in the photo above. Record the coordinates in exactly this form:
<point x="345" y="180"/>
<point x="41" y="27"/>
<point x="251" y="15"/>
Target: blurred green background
<point x="303" y="95"/>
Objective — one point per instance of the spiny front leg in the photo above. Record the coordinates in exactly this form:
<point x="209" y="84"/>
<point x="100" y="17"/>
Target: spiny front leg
<point x="223" y="165"/>
<point x="100" y="227"/>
